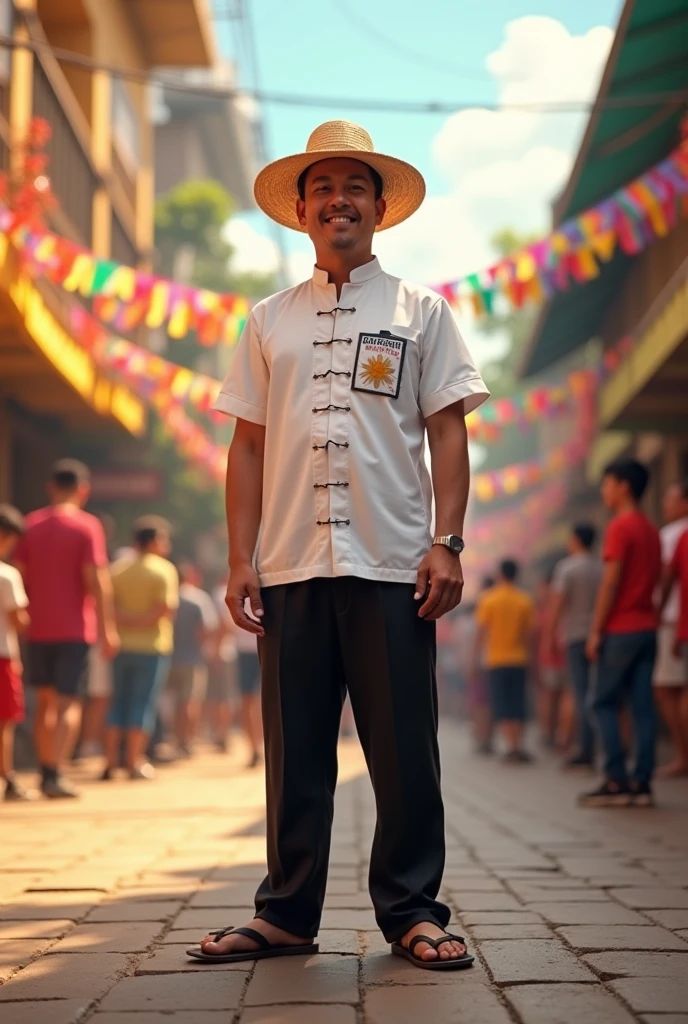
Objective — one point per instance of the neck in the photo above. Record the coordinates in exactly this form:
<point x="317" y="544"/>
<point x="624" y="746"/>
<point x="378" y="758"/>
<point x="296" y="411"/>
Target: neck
<point x="65" y="501"/>
<point x="627" y="505"/>
<point x="339" y="263"/>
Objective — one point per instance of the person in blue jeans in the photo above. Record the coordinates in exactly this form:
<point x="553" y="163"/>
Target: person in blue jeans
<point x="623" y="638"/>
<point x="575" y="585"/>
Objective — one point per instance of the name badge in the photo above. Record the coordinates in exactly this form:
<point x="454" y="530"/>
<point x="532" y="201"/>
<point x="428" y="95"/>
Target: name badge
<point x="379" y="362"/>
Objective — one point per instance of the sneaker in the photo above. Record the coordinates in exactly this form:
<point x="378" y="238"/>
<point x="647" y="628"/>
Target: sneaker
<point x="578" y="764"/>
<point x="107" y="775"/>
<point x="58" y="789"/>
<point x="609" y="794"/>
<point x="15" y="793"/>
<point x="642" y="795"/>
<point x="144" y="771"/>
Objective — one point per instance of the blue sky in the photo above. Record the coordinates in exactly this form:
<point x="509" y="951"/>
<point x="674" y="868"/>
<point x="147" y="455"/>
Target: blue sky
<point x="481" y="170"/>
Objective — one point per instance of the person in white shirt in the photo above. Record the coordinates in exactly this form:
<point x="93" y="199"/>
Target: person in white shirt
<point x="670" y="679"/>
<point x="13" y="617"/>
<point x="334" y="385"/>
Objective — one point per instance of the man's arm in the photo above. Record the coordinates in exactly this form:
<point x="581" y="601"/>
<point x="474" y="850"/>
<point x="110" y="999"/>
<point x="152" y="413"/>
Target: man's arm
<point x="554" y="619"/>
<point x="669" y="577"/>
<point x="606" y="596"/>
<point x="441" y="568"/>
<point x="244" y="496"/>
<point x="98" y="583"/>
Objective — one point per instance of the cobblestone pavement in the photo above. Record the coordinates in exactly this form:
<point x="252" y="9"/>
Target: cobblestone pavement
<point x="575" y="915"/>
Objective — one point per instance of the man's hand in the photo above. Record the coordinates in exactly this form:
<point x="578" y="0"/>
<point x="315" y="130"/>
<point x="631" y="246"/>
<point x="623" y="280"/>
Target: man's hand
<point x="244" y="583"/>
<point x="111" y="644"/>
<point x="440" y="582"/>
<point x="592" y="647"/>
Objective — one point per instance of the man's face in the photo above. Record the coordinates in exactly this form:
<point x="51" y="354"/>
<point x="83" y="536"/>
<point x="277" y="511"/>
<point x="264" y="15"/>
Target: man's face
<point x="675" y="506"/>
<point x="340" y="211"/>
<point x="613" y="492"/>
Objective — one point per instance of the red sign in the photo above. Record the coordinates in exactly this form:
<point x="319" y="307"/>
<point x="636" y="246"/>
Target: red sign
<point x="126" y="484"/>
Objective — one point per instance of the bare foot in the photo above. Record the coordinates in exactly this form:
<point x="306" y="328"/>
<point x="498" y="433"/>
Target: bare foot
<point x="673" y="770"/>
<point x="233" y="943"/>
<point x="447" y="951"/>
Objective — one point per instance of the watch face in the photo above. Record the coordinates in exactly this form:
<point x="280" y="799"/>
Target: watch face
<point x="456" y="544"/>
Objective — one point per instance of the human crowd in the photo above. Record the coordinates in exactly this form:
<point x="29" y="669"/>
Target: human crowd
<point x="130" y="658"/>
<point x="600" y="647"/>
<point x="126" y="655"/>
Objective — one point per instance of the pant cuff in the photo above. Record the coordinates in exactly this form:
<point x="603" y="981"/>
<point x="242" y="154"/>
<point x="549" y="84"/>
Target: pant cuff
<point x="286" y="926"/>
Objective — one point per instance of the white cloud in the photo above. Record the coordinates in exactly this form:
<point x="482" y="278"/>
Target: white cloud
<point x="253" y="252"/>
<point x="503" y="168"/>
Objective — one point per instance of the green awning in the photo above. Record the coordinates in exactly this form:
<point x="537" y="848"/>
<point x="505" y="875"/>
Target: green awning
<point x="649" y="56"/>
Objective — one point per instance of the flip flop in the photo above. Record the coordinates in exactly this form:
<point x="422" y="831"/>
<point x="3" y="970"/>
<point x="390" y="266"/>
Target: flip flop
<point x="433" y="965"/>
<point x="265" y="949"/>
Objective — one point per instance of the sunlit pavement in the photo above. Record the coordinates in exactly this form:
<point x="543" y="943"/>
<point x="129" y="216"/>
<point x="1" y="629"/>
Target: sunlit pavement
<point x="576" y="915"/>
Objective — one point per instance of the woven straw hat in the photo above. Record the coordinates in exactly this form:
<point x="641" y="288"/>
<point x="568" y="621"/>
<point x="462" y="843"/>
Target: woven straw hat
<point x="276" y="185"/>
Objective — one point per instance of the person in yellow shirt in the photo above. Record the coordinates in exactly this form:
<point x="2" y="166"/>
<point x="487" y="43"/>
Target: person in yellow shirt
<point x="506" y="617"/>
<point x="146" y="595"/>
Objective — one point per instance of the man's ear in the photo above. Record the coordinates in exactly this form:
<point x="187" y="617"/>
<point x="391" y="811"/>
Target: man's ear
<point x="301" y="211"/>
<point x="381" y="208"/>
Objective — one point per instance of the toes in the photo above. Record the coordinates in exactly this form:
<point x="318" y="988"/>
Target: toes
<point x="429" y="953"/>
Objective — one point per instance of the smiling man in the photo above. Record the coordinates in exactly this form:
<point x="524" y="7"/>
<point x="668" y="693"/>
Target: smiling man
<point x="334" y="386"/>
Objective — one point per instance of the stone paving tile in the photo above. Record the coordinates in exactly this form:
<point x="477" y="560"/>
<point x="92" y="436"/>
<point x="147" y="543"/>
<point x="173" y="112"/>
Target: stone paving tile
<point x="18" y="953"/>
<point x="58" y="1011"/>
<point x="44" y="906"/>
<point x="630" y="965"/>
<point x="589" y="938"/>
<point x="536" y="960"/>
<point x="186" y="991"/>
<point x="653" y="899"/>
<point x="467" y="1001"/>
<point x="65" y="976"/>
<point x="225" y="894"/>
<point x="669" y="996"/>
<point x="485" y="901"/>
<point x="520" y="932"/>
<point x="361" y="920"/>
<point x="383" y="968"/>
<point x="542" y="894"/>
<point x="673" y="919"/>
<point x="299" y="1014"/>
<point x="109" y="937"/>
<point x="665" y="1018"/>
<point x="587" y="913"/>
<point x="316" y="979"/>
<point x="338" y="941"/>
<point x="34" y="929"/>
<point x="164" y="1017"/>
<point x="172" y="959"/>
<point x="473" y="917"/>
<point x="561" y="1004"/>
<point x="205" y="919"/>
<point x="134" y="910"/>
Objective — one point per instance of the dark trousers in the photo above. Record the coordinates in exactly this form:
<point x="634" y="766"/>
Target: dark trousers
<point x="322" y="638"/>
<point x="624" y="670"/>
<point x="580" y="671"/>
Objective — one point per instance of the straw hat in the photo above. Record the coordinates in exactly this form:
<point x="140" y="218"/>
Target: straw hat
<point x="276" y="192"/>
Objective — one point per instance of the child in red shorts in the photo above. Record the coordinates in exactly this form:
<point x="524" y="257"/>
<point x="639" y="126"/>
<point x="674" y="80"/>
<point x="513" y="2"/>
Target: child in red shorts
<point x="13" y="617"/>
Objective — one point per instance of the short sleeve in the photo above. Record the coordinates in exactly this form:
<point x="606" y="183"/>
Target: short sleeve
<point x="12" y="593"/>
<point x="614" y="543"/>
<point x="171" y="597"/>
<point x="244" y="392"/>
<point x="560" y="579"/>
<point x="447" y="371"/>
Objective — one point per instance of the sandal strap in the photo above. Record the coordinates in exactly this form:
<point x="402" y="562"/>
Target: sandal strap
<point x="448" y="938"/>
<point x="222" y="932"/>
<point x="251" y="933"/>
<point x="419" y="938"/>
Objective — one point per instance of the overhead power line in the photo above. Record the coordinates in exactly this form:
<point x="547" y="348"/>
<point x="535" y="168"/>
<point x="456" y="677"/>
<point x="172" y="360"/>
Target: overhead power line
<point x="654" y="99"/>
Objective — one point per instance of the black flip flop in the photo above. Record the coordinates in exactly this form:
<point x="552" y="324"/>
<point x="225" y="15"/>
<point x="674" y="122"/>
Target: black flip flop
<point x="265" y="949"/>
<point x="455" y="964"/>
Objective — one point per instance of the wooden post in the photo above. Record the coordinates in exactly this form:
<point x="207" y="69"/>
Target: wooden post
<point x="101" y="153"/>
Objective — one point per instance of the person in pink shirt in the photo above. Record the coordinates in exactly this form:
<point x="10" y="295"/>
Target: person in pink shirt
<point x="62" y="557"/>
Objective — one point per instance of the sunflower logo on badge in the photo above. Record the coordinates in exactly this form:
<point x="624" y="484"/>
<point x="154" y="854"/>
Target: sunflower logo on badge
<point x="379" y="372"/>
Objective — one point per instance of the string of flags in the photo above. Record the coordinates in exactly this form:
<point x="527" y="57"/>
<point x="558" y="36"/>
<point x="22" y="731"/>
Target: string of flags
<point x="124" y="298"/>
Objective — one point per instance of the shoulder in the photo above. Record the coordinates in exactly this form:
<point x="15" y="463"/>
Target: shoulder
<point x="9" y="574"/>
<point x="88" y="523"/>
<point x="121" y="565"/>
<point x="35" y="518"/>
<point x="274" y="305"/>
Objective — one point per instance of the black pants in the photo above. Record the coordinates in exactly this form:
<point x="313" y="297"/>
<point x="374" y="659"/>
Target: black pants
<point x="322" y="638"/>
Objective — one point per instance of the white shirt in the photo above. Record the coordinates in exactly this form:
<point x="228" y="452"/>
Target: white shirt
<point x="12" y="597"/>
<point x="346" y="491"/>
<point x="669" y="537"/>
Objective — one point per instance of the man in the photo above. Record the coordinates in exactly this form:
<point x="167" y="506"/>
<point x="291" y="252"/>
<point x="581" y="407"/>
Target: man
<point x="146" y="595"/>
<point x="506" y="620"/>
<point x="196" y="622"/>
<point x="334" y="385"/>
<point x="623" y="637"/>
<point x="671" y="673"/>
<point x="575" y="585"/>
<point x="63" y="559"/>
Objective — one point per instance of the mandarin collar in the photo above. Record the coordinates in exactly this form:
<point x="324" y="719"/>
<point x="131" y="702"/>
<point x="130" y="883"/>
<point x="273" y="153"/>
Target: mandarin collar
<point x="358" y="275"/>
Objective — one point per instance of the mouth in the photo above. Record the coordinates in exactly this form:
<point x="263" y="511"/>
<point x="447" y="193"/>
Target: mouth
<point x="340" y="218"/>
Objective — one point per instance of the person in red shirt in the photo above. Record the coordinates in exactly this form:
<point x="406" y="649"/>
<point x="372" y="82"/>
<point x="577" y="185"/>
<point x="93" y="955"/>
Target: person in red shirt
<point x="62" y="557"/>
<point x="623" y="637"/>
<point x="676" y="574"/>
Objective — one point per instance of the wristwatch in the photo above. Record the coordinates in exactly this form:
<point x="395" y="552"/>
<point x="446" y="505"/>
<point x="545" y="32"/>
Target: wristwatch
<point x="452" y="542"/>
